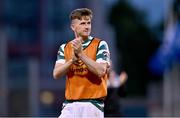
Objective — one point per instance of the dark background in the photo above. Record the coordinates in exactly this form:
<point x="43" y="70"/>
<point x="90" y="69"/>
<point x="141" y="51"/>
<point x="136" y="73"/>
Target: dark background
<point x="137" y="32"/>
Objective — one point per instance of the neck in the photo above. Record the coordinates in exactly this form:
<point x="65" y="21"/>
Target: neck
<point x="84" y="38"/>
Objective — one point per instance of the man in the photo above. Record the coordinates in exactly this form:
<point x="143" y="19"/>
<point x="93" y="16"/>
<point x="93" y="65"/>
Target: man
<point x="116" y="84"/>
<point x="84" y="60"/>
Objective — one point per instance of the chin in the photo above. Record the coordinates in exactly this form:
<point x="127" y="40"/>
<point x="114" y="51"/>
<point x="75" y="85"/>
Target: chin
<point x="85" y="35"/>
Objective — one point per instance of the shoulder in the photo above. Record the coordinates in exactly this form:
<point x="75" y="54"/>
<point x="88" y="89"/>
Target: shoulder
<point x="62" y="46"/>
<point x="103" y="45"/>
<point x="101" y="42"/>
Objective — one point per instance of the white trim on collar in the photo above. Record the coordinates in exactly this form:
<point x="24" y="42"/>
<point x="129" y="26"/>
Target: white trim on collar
<point x="90" y="37"/>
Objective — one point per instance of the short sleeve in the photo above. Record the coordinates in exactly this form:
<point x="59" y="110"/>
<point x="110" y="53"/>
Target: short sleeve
<point x="60" y="55"/>
<point x="103" y="54"/>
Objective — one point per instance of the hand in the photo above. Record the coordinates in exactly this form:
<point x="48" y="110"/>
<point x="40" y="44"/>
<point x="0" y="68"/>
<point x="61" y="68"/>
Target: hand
<point x="77" y="45"/>
<point x="123" y="77"/>
<point x="74" y="58"/>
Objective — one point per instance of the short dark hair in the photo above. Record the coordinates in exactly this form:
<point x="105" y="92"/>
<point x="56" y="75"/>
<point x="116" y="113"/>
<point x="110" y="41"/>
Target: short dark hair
<point x="79" y="13"/>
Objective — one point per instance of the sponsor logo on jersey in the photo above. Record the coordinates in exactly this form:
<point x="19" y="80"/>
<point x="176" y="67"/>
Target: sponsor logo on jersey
<point x="79" y="68"/>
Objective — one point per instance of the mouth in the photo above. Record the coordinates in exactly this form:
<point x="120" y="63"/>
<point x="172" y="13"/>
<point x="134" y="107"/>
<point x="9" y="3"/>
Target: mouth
<point x="86" y="31"/>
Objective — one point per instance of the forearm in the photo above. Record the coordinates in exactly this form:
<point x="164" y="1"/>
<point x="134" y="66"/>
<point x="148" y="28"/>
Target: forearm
<point x="61" y="69"/>
<point x="96" y="68"/>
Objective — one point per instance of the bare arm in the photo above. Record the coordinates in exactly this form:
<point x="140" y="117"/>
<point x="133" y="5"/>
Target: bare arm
<point x="98" y="69"/>
<point x="61" y="69"/>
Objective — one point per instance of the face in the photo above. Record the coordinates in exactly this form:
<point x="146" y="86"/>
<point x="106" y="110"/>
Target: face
<point x="82" y="27"/>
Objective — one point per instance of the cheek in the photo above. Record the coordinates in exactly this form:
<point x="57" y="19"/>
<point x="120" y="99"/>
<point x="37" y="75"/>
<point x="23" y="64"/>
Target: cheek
<point x="89" y="26"/>
<point x="78" y="27"/>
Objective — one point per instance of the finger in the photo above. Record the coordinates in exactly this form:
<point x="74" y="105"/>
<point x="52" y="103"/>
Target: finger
<point x="79" y="40"/>
<point x="75" y="43"/>
<point x="76" y="34"/>
<point x="75" y="47"/>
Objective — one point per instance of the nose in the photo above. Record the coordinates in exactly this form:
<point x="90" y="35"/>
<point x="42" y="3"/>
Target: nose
<point x="87" y="26"/>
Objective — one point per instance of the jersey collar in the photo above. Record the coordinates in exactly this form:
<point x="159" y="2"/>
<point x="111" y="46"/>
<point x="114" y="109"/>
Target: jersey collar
<point x="87" y="40"/>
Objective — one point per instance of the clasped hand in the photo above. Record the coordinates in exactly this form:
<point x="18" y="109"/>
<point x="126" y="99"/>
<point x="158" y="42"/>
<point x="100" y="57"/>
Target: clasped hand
<point x="77" y="45"/>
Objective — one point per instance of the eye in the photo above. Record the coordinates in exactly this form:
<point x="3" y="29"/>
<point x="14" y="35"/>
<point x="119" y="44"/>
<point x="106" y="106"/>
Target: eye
<point x="83" y="23"/>
<point x="89" y="23"/>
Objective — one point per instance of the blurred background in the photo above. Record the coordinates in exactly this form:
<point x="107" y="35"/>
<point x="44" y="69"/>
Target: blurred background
<point x="143" y="37"/>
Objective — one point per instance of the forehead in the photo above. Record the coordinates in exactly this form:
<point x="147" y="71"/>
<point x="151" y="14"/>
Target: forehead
<point x="83" y="19"/>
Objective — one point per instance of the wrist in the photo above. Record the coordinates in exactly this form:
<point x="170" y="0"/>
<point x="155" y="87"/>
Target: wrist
<point x="80" y="54"/>
<point x="71" y="61"/>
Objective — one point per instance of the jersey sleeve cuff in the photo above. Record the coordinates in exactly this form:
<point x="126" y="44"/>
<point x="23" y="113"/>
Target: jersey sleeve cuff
<point x="103" y="61"/>
<point x="60" y="61"/>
